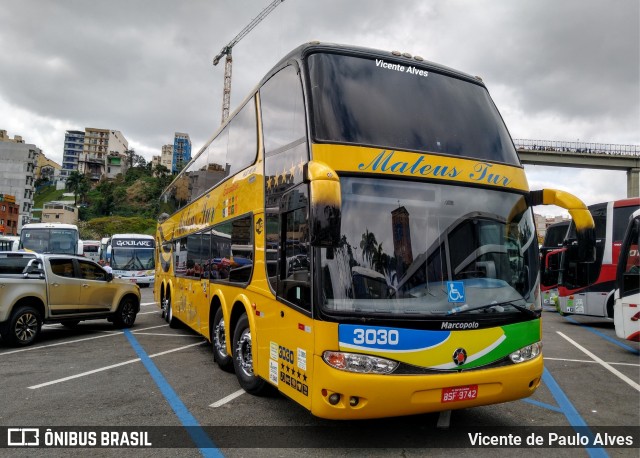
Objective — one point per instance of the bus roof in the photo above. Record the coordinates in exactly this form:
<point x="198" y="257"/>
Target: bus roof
<point x="132" y="236"/>
<point x="49" y="226"/>
<point x="631" y="202"/>
<point x="302" y="51"/>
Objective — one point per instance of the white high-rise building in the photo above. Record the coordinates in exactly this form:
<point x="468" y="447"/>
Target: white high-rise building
<point x="17" y="173"/>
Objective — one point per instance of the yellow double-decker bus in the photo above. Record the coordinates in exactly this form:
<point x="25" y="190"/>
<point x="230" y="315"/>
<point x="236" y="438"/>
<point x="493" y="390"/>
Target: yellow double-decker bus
<point x="359" y="236"/>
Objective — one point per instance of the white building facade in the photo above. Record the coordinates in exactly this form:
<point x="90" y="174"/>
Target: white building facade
<point x="17" y="175"/>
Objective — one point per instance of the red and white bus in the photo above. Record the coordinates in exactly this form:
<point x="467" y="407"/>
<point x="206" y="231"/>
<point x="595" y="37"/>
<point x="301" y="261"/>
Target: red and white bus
<point x="587" y="288"/>
<point x="550" y="255"/>
<point x="627" y="295"/>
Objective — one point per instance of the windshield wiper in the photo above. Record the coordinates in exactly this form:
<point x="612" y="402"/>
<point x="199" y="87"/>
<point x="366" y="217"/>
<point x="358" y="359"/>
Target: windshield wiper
<point x="521" y="308"/>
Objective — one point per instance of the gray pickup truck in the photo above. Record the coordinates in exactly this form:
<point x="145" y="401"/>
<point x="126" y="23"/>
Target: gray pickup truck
<point x="54" y="288"/>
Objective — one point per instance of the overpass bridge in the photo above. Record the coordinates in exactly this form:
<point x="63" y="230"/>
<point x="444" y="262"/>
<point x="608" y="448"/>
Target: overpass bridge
<point x="584" y="155"/>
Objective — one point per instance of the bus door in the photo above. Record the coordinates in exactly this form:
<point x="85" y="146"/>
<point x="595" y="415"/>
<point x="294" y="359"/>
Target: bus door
<point x="286" y="325"/>
<point x="549" y="276"/>
<point x="581" y="276"/>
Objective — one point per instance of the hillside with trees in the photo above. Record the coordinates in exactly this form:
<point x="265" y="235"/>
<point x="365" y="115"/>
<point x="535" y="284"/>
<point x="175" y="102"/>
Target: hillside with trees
<point x="128" y="203"/>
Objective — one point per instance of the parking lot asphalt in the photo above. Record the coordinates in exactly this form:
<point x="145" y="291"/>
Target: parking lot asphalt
<point x="96" y="383"/>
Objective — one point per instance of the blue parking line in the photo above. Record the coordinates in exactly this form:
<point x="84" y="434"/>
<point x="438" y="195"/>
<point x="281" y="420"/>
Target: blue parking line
<point x="198" y="435"/>
<point x="604" y="336"/>
<point x="544" y="405"/>
<point x="569" y="411"/>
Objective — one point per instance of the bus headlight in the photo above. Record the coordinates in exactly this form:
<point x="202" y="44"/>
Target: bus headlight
<point x="354" y="362"/>
<point x="526" y="353"/>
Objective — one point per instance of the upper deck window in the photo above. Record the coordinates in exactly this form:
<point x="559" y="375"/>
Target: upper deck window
<point x="376" y="102"/>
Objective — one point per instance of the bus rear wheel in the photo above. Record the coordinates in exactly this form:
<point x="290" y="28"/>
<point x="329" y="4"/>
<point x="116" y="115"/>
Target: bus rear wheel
<point x="219" y="342"/>
<point x="243" y="360"/>
<point x="169" y="318"/>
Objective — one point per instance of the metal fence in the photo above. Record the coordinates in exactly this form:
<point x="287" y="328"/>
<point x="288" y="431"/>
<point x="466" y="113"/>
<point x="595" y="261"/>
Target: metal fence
<point x="578" y="147"/>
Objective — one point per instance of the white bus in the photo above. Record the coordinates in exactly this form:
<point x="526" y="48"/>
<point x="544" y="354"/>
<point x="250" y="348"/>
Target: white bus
<point x="91" y="249"/>
<point x="626" y="311"/>
<point x="51" y="238"/>
<point x="102" y="252"/>
<point x="132" y="257"/>
<point x="9" y="242"/>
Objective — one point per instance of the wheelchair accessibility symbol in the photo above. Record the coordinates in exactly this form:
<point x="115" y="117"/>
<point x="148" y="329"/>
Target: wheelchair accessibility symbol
<point x="455" y="291"/>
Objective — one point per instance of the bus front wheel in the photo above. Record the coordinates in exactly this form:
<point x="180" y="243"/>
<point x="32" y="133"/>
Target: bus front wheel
<point x="243" y="360"/>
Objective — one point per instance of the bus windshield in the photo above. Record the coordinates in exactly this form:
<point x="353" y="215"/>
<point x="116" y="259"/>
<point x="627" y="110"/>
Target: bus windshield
<point x="132" y="258"/>
<point x="48" y="240"/>
<point x="410" y="249"/>
<point x="373" y="102"/>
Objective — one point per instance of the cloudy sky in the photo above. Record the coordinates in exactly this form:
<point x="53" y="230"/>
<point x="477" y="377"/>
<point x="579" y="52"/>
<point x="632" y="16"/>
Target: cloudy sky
<point x="557" y="70"/>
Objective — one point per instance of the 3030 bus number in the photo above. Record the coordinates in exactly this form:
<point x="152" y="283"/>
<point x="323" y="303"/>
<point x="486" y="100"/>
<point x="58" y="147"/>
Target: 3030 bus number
<point x="376" y="336"/>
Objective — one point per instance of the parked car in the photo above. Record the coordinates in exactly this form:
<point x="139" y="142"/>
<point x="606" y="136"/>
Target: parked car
<point x="54" y="288"/>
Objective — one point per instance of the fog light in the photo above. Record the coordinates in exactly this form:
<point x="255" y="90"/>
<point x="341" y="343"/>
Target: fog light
<point x="353" y="401"/>
<point x="334" y="399"/>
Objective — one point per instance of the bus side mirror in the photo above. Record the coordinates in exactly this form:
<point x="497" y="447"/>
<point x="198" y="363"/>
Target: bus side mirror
<point x="586" y="244"/>
<point x="325" y="204"/>
<point x="582" y="219"/>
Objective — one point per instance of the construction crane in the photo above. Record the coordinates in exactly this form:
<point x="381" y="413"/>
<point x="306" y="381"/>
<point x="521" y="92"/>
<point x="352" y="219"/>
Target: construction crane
<point x="226" y="51"/>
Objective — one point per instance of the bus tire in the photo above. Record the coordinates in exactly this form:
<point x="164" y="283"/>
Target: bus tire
<point x="610" y="307"/>
<point x="243" y="360"/>
<point x="23" y="327"/>
<point x="173" y="321"/>
<point x="163" y="309"/>
<point x="219" y="342"/>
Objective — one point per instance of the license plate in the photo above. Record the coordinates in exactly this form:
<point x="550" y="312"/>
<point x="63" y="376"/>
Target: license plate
<point x="459" y="393"/>
<point x="133" y="280"/>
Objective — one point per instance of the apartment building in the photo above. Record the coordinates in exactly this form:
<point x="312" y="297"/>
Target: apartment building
<point x="166" y="157"/>
<point x="60" y="212"/>
<point x="46" y="168"/>
<point x="73" y="144"/>
<point x="181" y="151"/>
<point x="103" y="153"/>
<point x="9" y="215"/>
<point x="17" y="173"/>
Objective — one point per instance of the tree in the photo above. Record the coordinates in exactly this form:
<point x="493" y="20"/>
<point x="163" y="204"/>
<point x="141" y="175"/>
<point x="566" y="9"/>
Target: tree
<point x="380" y="260"/>
<point x="368" y="245"/>
<point x="78" y="184"/>
<point x="131" y="154"/>
<point x="161" y="171"/>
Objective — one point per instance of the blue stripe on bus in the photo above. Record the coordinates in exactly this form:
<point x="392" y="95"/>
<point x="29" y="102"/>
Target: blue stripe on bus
<point x="604" y="336"/>
<point x="575" y="420"/>
<point x="198" y="435"/>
